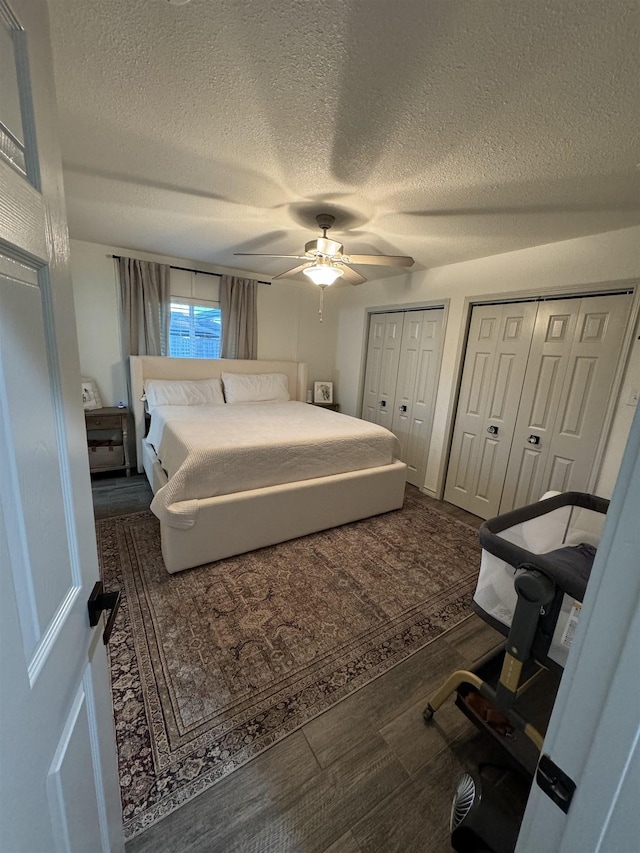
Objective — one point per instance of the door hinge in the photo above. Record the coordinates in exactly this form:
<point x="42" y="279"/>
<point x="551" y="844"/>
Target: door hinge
<point x="555" y="783"/>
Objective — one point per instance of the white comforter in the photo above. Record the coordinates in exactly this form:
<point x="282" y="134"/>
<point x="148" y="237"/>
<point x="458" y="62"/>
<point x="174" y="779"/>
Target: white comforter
<point x="218" y="450"/>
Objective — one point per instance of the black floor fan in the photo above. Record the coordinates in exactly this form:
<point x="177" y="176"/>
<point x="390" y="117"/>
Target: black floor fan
<point x="480" y="820"/>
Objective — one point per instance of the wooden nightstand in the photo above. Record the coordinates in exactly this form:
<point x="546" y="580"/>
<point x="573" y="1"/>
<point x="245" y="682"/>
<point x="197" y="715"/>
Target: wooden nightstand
<point x="334" y="407"/>
<point x="107" y="439"/>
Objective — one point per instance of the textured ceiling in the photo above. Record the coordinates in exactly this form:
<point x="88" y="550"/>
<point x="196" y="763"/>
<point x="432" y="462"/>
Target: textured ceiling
<point x="442" y="129"/>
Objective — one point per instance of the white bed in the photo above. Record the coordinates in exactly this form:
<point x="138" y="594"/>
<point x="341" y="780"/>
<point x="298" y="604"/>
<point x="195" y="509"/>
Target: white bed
<point x="257" y="504"/>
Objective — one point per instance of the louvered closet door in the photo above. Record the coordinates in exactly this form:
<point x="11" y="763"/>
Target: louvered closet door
<point x="416" y="388"/>
<point x="383" y="356"/>
<point x="492" y="379"/>
<point x="574" y="353"/>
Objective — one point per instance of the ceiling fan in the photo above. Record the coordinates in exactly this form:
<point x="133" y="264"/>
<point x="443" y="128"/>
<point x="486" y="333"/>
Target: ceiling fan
<point x="324" y="260"/>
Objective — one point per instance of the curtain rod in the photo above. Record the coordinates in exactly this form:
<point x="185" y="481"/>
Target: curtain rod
<point x="188" y="269"/>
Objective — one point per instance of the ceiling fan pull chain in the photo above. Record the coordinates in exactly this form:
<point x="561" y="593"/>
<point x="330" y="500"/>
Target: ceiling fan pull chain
<point x="322" y="290"/>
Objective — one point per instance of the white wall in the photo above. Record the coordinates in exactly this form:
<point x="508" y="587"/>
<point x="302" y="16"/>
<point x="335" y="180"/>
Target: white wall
<point x="609" y="257"/>
<point x="289" y="328"/>
<point x="288" y="325"/>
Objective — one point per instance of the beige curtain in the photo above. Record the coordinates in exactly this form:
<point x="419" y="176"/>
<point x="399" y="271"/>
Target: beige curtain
<point x="145" y="307"/>
<point x="238" y="307"/>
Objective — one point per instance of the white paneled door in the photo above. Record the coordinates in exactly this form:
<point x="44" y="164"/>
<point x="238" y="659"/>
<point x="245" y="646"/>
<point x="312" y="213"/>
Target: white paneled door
<point x="58" y="777"/>
<point x="494" y="368"/>
<point x="535" y="387"/>
<point x="383" y="358"/>
<point x="416" y="387"/>
<point x="573" y="359"/>
<point x="403" y="360"/>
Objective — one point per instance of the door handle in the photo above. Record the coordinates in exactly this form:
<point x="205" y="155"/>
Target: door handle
<point x="493" y="430"/>
<point x="383" y="404"/>
<point x="403" y="408"/>
<point x="99" y="601"/>
<point x="534" y="439"/>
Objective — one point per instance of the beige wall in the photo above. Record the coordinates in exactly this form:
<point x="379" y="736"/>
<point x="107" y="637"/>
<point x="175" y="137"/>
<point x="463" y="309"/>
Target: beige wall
<point x="288" y="326"/>
<point x="568" y="265"/>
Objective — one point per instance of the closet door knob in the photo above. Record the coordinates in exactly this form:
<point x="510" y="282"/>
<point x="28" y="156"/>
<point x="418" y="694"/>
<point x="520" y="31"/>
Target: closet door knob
<point x="403" y="408"/>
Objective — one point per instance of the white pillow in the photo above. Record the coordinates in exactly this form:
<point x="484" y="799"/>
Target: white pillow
<point x="255" y="387"/>
<point x="183" y="392"/>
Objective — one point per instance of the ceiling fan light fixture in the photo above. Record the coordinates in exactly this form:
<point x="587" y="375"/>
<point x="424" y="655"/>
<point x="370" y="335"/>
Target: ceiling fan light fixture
<point x="324" y="260"/>
<point x="323" y="274"/>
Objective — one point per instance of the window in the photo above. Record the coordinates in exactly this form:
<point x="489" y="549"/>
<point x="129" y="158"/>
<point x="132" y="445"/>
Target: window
<point x="195" y="329"/>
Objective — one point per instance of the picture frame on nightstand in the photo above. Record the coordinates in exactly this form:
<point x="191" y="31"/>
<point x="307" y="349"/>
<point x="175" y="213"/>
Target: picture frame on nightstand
<point x="90" y="395"/>
<point x="323" y="392"/>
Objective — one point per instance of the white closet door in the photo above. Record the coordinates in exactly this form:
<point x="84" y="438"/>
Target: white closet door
<point x="383" y="355"/>
<point x="416" y="388"/>
<point x="573" y="359"/>
<point x="548" y="360"/>
<point x="494" y="368"/>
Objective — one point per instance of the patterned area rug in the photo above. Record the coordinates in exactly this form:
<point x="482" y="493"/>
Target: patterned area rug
<point x="211" y="666"/>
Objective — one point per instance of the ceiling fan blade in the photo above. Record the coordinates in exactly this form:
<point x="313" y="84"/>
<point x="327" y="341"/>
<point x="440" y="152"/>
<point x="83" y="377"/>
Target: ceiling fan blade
<point x="291" y="273"/>
<point x="263" y="255"/>
<point x="351" y="276"/>
<point x="380" y="260"/>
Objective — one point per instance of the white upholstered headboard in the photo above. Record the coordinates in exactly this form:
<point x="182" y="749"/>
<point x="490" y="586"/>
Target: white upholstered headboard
<point x="159" y="367"/>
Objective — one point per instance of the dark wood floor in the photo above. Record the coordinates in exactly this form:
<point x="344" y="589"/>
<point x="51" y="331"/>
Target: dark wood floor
<point x="119" y="495"/>
<point x="367" y="776"/>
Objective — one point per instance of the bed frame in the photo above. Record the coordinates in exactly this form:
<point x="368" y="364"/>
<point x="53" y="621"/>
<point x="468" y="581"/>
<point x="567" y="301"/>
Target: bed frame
<point x="232" y="524"/>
